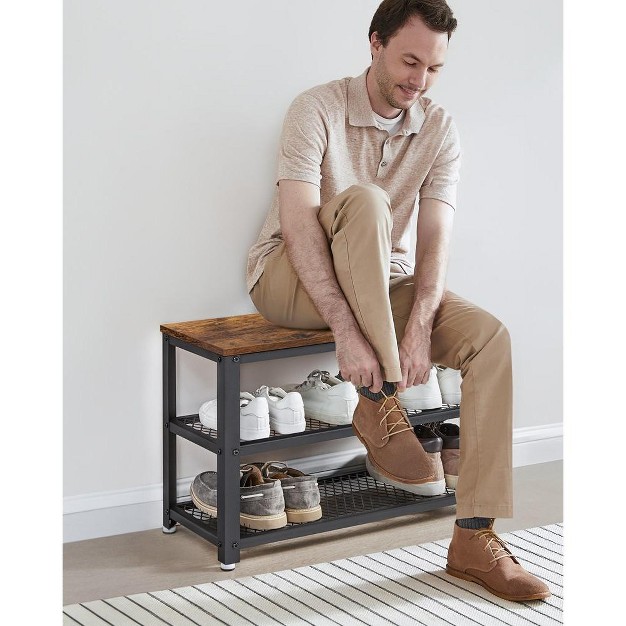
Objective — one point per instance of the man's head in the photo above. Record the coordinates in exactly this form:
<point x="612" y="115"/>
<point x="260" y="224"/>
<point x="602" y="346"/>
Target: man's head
<point x="408" y="42"/>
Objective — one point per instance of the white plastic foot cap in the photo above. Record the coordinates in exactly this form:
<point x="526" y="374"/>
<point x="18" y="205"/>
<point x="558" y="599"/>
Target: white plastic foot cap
<point x="227" y="567"/>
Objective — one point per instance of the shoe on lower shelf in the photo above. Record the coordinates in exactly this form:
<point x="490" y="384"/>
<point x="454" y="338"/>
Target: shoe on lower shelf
<point x="326" y="398"/>
<point x="300" y="490"/>
<point x="261" y="506"/>
<point x="450" y="453"/>
<point x="286" y="409"/>
<point x="450" y="384"/>
<point x="422" y="397"/>
<point x="254" y="418"/>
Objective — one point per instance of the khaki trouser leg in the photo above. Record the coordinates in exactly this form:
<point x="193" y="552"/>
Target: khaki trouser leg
<point x="358" y="225"/>
<point x="467" y="338"/>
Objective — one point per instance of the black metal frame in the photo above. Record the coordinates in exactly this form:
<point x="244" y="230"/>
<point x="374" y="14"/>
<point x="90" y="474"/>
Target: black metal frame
<point x="225" y="532"/>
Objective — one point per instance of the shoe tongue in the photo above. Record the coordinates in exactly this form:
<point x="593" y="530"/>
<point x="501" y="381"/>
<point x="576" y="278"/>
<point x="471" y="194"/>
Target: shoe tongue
<point x="314" y="379"/>
<point x="319" y="376"/>
<point x="398" y="415"/>
<point x="277" y="392"/>
<point x="250" y="476"/>
<point x="245" y="398"/>
<point x="376" y="430"/>
<point x="496" y="545"/>
<point x="273" y="466"/>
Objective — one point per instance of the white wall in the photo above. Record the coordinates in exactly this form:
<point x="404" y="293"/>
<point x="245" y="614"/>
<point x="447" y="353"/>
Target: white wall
<point x="172" y="117"/>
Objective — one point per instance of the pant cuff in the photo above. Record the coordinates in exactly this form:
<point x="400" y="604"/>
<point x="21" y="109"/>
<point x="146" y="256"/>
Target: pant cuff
<point x="484" y="510"/>
<point x="392" y="374"/>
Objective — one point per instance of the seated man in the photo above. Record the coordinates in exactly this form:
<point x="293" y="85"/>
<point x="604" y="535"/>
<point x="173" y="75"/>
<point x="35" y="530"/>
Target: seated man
<point x="357" y="156"/>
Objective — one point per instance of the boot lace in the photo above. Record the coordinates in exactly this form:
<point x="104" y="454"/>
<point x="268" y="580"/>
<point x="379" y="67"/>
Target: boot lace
<point x="393" y="428"/>
<point x="494" y="543"/>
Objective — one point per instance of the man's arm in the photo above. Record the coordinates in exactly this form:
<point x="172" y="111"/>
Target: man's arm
<point x="435" y="220"/>
<point x="309" y="253"/>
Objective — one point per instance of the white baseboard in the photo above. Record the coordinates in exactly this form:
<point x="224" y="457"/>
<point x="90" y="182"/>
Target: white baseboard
<point x="117" y="512"/>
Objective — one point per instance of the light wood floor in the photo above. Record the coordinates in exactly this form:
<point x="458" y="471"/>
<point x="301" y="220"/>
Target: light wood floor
<point x="151" y="561"/>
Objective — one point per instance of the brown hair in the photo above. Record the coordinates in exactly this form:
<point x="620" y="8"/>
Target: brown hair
<point x="392" y="15"/>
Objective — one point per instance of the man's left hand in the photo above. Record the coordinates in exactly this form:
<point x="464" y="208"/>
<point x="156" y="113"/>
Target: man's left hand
<point x="415" y="363"/>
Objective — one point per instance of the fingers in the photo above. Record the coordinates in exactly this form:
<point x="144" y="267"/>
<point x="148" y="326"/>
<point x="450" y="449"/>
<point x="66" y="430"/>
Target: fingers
<point x="412" y="377"/>
<point x="372" y="379"/>
<point x="403" y="384"/>
<point x="377" y="381"/>
<point x="360" y="379"/>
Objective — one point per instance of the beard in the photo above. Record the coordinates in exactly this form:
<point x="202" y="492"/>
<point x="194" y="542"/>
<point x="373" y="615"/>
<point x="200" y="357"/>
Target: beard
<point x="387" y="86"/>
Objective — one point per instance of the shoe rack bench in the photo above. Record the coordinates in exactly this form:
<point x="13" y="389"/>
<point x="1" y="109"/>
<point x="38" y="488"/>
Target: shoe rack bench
<point x="347" y="499"/>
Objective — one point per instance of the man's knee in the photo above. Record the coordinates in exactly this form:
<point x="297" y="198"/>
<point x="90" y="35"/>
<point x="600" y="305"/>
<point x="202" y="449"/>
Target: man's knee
<point x="491" y="331"/>
<point x="368" y="197"/>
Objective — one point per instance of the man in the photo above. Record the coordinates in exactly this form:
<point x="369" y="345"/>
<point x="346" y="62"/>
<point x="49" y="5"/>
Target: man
<point x="357" y="156"/>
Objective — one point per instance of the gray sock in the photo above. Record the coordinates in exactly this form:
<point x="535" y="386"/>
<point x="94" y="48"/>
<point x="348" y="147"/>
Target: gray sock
<point x="388" y="388"/>
<point x="475" y="522"/>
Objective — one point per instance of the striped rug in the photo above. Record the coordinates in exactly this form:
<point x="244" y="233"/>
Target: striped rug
<point x="402" y="586"/>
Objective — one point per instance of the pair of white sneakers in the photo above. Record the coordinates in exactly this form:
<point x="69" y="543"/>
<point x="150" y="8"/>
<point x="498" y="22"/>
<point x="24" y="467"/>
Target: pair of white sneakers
<point x="443" y="387"/>
<point x="269" y="408"/>
<point x="282" y="409"/>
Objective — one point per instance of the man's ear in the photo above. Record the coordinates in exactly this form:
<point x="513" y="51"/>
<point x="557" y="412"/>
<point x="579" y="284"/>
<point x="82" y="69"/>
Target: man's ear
<point x="375" y="43"/>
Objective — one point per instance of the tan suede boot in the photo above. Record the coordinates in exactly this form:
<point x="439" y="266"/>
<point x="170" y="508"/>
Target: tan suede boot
<point x="394" y="454"/>
<point x="482" y="557"/>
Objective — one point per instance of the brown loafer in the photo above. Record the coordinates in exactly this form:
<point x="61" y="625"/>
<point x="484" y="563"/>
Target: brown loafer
<point x="394" y="454"/>
<point x="482" y="557"/>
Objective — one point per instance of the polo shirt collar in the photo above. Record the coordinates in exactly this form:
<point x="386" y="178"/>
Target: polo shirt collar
<point x="360" y="110"/>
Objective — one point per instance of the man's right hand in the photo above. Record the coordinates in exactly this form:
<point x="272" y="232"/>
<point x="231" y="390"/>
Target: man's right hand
<point x="357" y="360"/>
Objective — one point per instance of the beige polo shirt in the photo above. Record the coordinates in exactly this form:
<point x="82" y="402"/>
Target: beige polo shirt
<point x="330" y="138"/>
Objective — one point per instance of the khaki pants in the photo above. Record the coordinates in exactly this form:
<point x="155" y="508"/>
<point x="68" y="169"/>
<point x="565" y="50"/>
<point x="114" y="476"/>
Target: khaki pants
<point x="358" y="224"/>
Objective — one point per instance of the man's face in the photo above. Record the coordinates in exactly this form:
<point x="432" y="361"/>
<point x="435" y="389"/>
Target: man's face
<point x="406" y="68"/>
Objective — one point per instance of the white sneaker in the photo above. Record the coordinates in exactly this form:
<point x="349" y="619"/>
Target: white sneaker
<point x="253" y="415"/>
<point x="286" y="409"/>
<point x="422" y="397"/>
<point x="327" y="398"/>
<point x="450" y="384"/>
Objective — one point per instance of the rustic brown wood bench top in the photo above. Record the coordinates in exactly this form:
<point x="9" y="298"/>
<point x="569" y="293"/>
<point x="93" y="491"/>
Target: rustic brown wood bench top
<point x="243" y="334"/>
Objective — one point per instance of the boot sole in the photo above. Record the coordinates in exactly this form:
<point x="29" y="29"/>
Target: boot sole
<point x="504" y="596"/>
<point x="300" y="516"/>
<point x="432" y="488"/>
<point x="256" y="522"/>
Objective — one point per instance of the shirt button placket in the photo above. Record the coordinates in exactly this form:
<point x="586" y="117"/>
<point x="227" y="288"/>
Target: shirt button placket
<point x="385" y="159"/>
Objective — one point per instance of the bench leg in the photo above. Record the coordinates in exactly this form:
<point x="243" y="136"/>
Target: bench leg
<point x="228" y="507"/>
<point x="169" y="440"/>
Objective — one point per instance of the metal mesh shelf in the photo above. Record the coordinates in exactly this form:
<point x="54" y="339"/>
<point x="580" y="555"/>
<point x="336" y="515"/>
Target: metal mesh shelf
<point x="312" y="425"/>
<point x="193" y="421"/>
<point x="346" y="497"/>
<point x="358" y="492"/>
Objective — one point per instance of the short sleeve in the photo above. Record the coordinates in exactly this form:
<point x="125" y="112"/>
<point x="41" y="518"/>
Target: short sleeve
<point x="303" y="141"/>
<point x="441" y="181"/>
